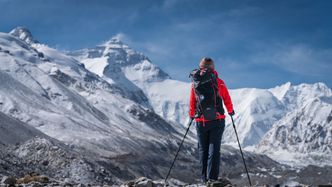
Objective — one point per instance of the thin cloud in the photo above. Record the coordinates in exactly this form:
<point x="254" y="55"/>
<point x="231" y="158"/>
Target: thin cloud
<point x="169" y="4"/>
<point x="122" y="37"/>
<point x="249" y="40"/>
<point x="297" y="58"/>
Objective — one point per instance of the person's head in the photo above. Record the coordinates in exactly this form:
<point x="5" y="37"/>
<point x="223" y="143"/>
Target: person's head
<point x="206" y="63"/>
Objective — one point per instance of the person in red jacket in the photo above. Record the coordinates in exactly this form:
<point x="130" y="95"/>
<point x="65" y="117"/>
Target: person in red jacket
<point x="209" y="132"/>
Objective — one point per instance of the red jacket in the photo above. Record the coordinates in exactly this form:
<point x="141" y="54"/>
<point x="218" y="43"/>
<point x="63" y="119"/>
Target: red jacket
<point x="223" y="92"/>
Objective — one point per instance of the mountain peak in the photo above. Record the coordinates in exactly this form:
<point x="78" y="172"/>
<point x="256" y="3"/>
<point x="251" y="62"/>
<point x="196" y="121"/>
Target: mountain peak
<point x="23" y="34"/>
<point x="280" y="91"/>
<point x="114" y="40"/>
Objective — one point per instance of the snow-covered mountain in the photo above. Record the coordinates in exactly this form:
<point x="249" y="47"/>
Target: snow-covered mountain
<point x="54" y="93"/>
<point x="112" y="104"/>
<point x="72" y="97"/>
<point x="118" y="63"/>
<point x="258" y="110"/>
<point x="110" y="59"/>
<point x="306" y="128"/>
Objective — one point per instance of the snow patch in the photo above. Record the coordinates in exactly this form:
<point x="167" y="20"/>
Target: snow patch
<point x="96" y="65"/>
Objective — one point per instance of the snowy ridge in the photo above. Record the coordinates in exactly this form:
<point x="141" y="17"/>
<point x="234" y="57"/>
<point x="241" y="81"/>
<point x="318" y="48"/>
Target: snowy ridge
<point x="57" y="95"/>
<point x="304" y="133"/>
<point x="280" y="91"/>
<point x="257" y="110"/>
<point x="23" y="34"/>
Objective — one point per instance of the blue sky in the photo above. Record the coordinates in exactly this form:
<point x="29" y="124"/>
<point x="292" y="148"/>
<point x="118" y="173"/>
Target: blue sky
<point x="254" y="43"/>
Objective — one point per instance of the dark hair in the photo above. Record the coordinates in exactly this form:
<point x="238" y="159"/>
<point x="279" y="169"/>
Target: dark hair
<point x="206" y="62"/>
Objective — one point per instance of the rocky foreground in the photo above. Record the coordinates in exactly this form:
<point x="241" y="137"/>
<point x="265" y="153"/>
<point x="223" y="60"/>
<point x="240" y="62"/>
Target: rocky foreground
<point x="42" y="162"/>
<point x="35" y="180"/>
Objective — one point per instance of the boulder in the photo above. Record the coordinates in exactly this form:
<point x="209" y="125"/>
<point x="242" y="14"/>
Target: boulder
<point x="146" y="183"/>
<point x="143" y="182"/>
<point x="140" y="182"/>
<point x="35" y="184"/>
<point x="219" y="183"/>
<point x="33" y="178"/>
<point x="10" y="181"/>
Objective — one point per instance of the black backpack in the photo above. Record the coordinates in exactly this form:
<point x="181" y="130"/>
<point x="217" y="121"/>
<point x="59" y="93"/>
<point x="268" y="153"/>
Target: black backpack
<point x="207" y="96"/>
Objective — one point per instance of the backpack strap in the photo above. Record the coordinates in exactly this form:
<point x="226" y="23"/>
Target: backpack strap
<point x="194" y="78"/>
<point x="215" y="83"/>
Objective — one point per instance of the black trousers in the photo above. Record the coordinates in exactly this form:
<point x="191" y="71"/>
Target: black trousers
<point x="209" y="140"/>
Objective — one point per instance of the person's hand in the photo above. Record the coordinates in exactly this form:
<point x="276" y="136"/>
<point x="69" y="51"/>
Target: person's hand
<point x="231" y="113"/>
<point x="192" y="118"/>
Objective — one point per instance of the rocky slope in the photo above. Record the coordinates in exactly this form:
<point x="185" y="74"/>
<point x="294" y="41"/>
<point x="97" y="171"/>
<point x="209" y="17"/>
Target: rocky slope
<point x="13" y="131"/>
<point x="25" y="149"/>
